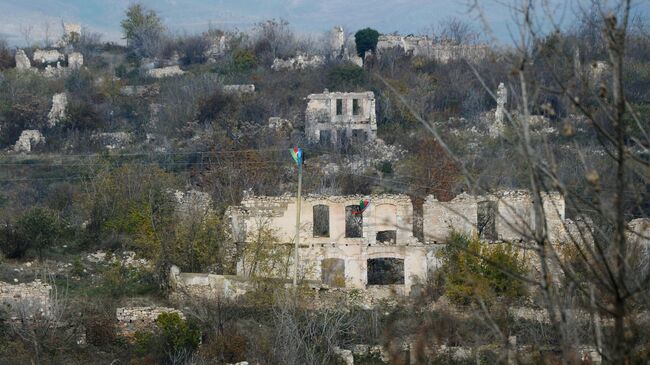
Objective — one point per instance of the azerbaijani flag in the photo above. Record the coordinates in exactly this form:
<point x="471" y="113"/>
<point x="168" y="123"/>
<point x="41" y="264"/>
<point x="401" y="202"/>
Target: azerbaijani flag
<point x="363" y="204"/>
<point x="296" y="153"/>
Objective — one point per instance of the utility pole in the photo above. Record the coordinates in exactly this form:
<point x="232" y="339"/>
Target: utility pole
<point x="297" y="156"/>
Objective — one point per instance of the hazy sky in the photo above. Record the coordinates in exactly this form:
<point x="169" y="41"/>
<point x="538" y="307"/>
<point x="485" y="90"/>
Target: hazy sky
<point x="305" y="16"/>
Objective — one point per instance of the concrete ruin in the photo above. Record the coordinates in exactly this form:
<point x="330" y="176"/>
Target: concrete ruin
<point x="75" y="60"/>
<point x="164" y="72"/>
<point x="239" y="89"/>
<point x="26" y="300"/>
<point x="48" y="56"/>
<point x="299" y="62"/>
<point x="496" y="128"/>
<point x="28" y="140"/>
<point x="423" y="46"/>
<point x="71" y="34"/>
<point x="380" y="248"/>
<point x="57" y="112"/>
<point x="207" y="286"/>
<point x="140" y="319"/>
<point x="22" y="61"/>
<point x="341" y="117"/>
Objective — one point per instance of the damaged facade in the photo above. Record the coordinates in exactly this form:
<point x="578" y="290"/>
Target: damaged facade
<point x="340" y="117"/>
<point x="422" y="46"/>
<point x="342" y="248"/>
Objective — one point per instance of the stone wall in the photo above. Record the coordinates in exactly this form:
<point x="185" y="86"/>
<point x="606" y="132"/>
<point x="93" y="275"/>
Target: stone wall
<point x="26" y="300"/>
<point x="28" y="140"/>
<point x="57" y="112"/>
<point x="300" y="62"/>
<point x="334" y="113"/>
<point x="207" y="286"/>
<point x="160" y="73"/>
<point x="513" y="219"/>
<point x="140" y="319"/>
<point x="239" y="89"/>
<point x="423" y="46"/>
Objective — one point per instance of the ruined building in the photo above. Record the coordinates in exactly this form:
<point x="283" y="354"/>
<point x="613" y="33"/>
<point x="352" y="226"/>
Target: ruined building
<point x="342" y="248"/>
<point x="426" y="47"/>
<point x="340" y="117"/>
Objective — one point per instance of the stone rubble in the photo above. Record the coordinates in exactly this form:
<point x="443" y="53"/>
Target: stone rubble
<point x="28" y="140"/>
<point x="164" y="72"/>
<point x="57" y="112"/>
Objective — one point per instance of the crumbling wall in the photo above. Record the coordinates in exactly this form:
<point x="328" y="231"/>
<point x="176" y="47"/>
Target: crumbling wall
<point x="193" y="204"/>
<point x="341" y="116"/>
<point x="514" y="220"/>
<point x="164" y="72"/>
<point x="239" y="89"/>
<point x="26" y="300"/>
<point x="48" y="56"/>
<point x="300" y="62"/>
<point x="112" y="140"/>
<point x="57" y="112"/>
<point x="207" y="286"/>
<point x="28" y="140"/>
<point x="22" y="61"/>
<point x="442" y="52"/>
<point x="75" y="60"/>
<point x="140" y="319"/>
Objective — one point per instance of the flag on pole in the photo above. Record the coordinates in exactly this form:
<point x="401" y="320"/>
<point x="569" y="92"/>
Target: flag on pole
<point x="296" y="153"/>
<point x="363" y="204"/>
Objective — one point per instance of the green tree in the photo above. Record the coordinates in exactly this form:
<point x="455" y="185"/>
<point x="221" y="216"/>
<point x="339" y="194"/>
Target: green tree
<point x="143" y="30"/>
<point x="366" y="40"/>
<point x="40" y="228"/>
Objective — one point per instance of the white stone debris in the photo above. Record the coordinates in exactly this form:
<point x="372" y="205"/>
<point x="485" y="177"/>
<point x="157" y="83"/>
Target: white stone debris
<point x="170" y="71"/>
<point x="28" y="140"/>
<point x="423" y="46"/>
<point x="22" y="61"/>
<point x="496" y="128"/>
<point x="26" y="300"/>
<point x="239" y="89"/>
<point x="300" y="62"/>
<point x="47" y="56"/>
<point x="57" y="112"/>
<point x="75" y="60"/>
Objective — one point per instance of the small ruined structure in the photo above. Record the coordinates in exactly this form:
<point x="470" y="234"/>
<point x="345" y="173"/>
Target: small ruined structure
<point x="300" y="62"/>
<point x="163" y="72"/>
<point x="75" y="60"/>
<point x="380" y="248"/>
<point x="22" y="61"/>
<point x="210" y="286"/>
<point x="239" y="89"/>
<point x="57" y="112"/>
<point x="48" y="56"/>
<point x="280" y="124"/>
<point x="337" y="42"/>
<point x="219" y="45"/>
<point x="140" y="319"/>
<point x="423" y="46"/>
<point x="339" y="117"/>
<point x="496" y="128"/>
<point x="26" y="300"/>
<point x="28" y="140"/>
<point x="71" y="35"/>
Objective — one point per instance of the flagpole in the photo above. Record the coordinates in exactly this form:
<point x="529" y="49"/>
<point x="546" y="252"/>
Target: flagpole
<point x="297" y="241"/>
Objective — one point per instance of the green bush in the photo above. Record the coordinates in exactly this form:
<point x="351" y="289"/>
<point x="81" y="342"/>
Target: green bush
<point x="176" y="334"/>
<point x="243" y="60"/>
<point x="473" y="270"/>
